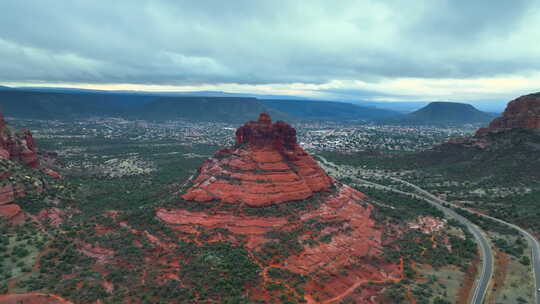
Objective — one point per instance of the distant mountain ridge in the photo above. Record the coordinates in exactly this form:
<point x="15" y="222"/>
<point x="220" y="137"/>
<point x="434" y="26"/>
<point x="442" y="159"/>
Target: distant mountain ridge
<point x="404" y="106"/>
<point x="445" y="113"/>
<point x="398" y="106"/>
<point x="218" y="109"/>
<point x="80" y="104"/>
<point x="327" y="110"/>
<point x="41" y="105"/>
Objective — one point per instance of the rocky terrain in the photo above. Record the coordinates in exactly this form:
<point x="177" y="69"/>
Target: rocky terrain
<point x="29" y="200"/>
<point x="259" y="222"/>
<point x="17" y="146"/>
<point x="265" y="167"/>
<point x="333" y="233"/>
<point x="18" y="153"/>
<point x="519" y="124"/>
<point x="497" y="168"/>
<point x="521" y="113"/>
<point x="8" y="211"/>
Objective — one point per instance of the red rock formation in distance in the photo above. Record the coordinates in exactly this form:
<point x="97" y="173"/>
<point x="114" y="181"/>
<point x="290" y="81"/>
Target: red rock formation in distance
<point x="266" y="167"/>
<point x="520" y="113"/>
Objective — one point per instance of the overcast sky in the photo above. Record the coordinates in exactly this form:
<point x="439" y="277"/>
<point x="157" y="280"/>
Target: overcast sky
<point x="364" y="50"/>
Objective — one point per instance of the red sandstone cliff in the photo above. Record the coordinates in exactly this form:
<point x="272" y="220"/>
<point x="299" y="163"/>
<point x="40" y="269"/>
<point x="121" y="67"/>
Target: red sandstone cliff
<point x="9" y="211"/>
<point x="18" y="146"/>
<point x="266" y="167"/>
<point x="520" y="113"/>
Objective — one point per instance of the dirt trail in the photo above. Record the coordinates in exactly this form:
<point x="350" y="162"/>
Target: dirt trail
<point x="32" y="298"/>
<point x="362" y="282"/>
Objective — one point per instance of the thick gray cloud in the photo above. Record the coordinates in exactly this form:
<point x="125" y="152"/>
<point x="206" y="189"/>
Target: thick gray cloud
<point x="262" y="42"/>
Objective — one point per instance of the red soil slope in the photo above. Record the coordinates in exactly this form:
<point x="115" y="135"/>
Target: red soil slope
<point x="32" y="298"/>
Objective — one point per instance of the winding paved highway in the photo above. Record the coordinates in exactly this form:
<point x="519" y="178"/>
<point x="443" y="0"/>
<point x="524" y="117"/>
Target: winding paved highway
<point x="535" y="259"/>
<point x="487" y="255"/>
<point x="533" y="242"/>
<point x="482" y="283"/>
<point x="487" y="266"/>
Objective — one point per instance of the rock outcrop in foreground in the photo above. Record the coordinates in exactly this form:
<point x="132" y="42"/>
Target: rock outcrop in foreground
<point x="275" y="200"/>
<point x="520" y="113"/>
<point x="17" y="146"/>
<point x="265" y="167"/>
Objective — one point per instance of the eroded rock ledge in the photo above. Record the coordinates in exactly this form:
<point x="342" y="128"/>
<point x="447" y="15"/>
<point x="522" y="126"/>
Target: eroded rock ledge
<point x="318" y="229"/>
<point x="266" y="167"/>
<point x="521" y="113"/>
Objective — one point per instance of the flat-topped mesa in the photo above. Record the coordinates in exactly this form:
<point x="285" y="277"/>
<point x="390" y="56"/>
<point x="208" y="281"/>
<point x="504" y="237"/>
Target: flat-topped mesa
<point x="265" y="167"/>
<point x="521" y="113"/>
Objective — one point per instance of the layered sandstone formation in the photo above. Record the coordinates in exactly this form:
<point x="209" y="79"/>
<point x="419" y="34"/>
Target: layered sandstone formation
<point x="356" y="244"/>
<point x="340" y="243"/>
<point x="9" y="211"/>
<point x="520" y="113"/>
<point x="18" y="146"/>
<point x="265" y="167"/>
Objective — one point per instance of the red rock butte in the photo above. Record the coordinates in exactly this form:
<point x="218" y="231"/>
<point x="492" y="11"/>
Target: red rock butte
<point x="521" y="113"/>
<point x="265" y="167"/>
